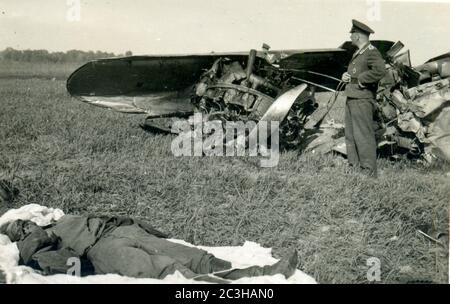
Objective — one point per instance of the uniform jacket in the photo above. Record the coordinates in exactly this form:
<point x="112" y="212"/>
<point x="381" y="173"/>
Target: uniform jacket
<point x="72" y="236"/>
<point x="366" y="68"/>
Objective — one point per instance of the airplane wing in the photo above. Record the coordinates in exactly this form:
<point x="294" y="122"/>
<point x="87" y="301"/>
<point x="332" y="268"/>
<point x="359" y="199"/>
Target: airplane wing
<point x="159" y="85"/>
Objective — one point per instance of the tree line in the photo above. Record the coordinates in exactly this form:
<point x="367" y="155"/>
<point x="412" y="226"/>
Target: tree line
<point x="44" y="56"/>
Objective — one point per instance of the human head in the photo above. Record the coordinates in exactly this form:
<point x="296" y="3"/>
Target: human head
<point x="358" y="38"/>
<point x="17" y="229"/>
<point x="359" y="33"/>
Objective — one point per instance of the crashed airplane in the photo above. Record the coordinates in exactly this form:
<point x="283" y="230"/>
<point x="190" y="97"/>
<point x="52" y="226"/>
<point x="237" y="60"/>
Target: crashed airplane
<point x="295" y="87"/>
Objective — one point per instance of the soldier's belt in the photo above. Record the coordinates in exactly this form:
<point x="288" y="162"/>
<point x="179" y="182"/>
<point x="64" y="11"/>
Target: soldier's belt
<point x="369" y="86"/>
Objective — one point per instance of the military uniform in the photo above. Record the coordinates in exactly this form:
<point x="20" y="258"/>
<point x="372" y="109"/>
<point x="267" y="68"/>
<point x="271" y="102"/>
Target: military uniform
<point x="124" y="246"/>
<point x="366" y="68"/>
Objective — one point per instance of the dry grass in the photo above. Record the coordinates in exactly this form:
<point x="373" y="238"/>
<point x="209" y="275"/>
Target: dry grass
<point x="83" y="159"/>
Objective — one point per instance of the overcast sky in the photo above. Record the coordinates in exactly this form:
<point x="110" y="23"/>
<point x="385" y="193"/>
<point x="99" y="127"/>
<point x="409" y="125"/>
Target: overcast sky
<point x="199" y="26"/>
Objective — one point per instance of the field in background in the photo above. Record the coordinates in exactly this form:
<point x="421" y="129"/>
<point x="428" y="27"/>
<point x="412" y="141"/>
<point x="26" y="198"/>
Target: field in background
<point x="62" y="153"/>
<point x="17" y="69"/>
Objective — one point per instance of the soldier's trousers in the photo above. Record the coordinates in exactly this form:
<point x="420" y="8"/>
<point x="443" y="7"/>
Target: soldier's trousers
<point x="132" y="252"/>
<point x="360" y="134"/>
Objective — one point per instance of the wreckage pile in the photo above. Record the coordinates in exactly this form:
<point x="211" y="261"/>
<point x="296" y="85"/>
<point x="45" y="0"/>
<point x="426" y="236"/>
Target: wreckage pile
<point x="414" y="113"/>
<point x="412" y="116"/>
<point x="228" y="92"/>
<point x="296" y="88"/>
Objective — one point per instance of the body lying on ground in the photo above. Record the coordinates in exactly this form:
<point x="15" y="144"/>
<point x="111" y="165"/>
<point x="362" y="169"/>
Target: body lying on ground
<point x="124" y="246"/>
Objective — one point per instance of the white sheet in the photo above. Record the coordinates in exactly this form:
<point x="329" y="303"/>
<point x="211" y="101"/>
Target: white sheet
<point x="240" y="256"/>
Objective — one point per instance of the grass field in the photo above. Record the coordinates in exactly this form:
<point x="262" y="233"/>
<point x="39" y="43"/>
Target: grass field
<point x="24" y="70"/>
<point x="62" y="153"/>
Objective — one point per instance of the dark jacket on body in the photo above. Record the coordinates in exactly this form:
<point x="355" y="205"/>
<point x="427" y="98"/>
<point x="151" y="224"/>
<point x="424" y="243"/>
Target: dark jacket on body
<point x="366" y="68"/>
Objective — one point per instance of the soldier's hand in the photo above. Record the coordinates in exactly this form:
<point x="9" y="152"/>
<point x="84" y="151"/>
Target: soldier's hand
<point x="346" y="77"/>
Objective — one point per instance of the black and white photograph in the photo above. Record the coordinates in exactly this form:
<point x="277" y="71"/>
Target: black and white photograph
<point x="211" y="144"/>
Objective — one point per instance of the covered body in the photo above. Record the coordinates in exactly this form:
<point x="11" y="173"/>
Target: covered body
<point x="124" y="246"/>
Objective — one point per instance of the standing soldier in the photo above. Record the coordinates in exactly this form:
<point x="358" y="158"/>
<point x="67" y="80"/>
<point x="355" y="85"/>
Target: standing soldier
<point x="366" y="68"/>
